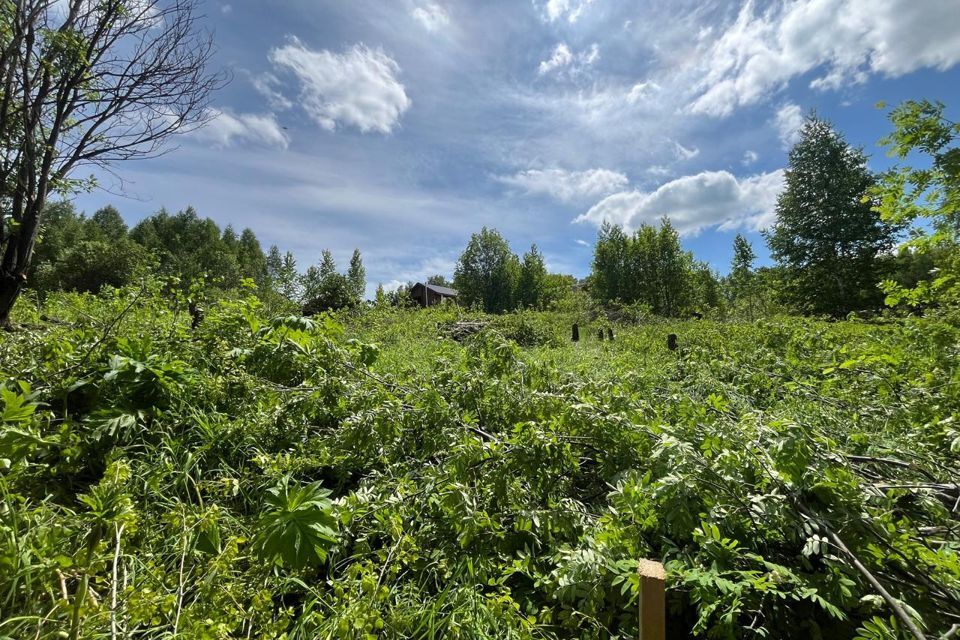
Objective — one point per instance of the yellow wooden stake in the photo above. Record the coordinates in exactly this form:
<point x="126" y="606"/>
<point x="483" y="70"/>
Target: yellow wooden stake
<point x="653" y="607"/>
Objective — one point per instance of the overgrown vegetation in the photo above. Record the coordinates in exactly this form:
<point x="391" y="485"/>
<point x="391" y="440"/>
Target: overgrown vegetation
<point x="184" y="455"/>
<point x="358" y="476"/>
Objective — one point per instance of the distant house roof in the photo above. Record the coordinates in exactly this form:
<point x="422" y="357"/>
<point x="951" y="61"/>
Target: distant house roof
<point x="443" y="291"/>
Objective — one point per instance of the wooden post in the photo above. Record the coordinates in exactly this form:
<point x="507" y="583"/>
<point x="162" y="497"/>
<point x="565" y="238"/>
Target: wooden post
<point x="576" y="333"/>
<point x="653" y="606"/>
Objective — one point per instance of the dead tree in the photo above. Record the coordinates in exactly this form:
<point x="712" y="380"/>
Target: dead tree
<point x="88" y="84"/>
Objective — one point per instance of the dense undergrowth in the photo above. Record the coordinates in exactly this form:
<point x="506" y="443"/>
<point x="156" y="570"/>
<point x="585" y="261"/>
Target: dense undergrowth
<point x="362" y="476"/>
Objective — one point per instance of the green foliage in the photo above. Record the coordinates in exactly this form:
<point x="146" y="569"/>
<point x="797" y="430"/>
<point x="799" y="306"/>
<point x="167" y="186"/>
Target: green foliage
<point x="358" y="475"/>
<point x="297" y="527"/>
<point x="532" y="283"/>
<point x="827" y="237"/>
<point x="652" y="269"/>
<point x="75" y="253"/>
<point x="357" y="276"/>
<point x="487" y="273"/>
<point x="193" y="249"/>
<point x="326" y="290"/>
<point x="283" y="278"/>
<point x="928" y="193"/>
<point x="742" y="277"/>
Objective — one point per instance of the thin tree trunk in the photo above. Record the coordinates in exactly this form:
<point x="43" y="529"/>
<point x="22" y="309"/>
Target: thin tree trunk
<point x="17" y="259"/>
<point x="11" y="285"/>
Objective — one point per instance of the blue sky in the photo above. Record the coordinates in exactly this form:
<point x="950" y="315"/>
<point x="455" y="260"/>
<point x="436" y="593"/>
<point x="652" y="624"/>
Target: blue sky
<point x="402" y="126"/>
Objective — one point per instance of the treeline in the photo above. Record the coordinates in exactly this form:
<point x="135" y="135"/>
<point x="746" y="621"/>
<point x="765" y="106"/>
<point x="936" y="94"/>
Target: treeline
<point x="80" y="253"/>
<point x="837" y="243"/>
<point x="649" y="267"/>
<point x="490" y="276"/>
<point x="834" y="242"/>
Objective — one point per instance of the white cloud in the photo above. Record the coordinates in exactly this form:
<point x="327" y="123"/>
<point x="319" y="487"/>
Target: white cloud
<point x="659" y="170"/>
<point x="563" y="58"/>
<point x="568" y="186"/>
<point x="683" y="153"/>
<point x="357" y="88"/>
<point x="583" y="243"/>
<point x="432" y="16"/>
<point x="642" y="91"/>
<point x="266" y="85"/>
<point x="226" y="129"/>
<point x="569" y="10"/>
<point x="693" y="203"/>
<point x="789" y="121"/>
<point x="749" y="157"/>
<point x="847" y="39"/>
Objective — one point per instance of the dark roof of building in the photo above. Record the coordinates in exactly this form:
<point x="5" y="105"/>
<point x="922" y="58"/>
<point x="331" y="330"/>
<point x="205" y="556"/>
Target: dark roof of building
<point x="443" y="291"/>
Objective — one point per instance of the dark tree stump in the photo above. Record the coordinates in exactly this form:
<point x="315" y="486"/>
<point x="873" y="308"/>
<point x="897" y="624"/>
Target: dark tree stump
<point x="600" y="335"/>
<point x="610" y="334"/>
<point x="196" y="314"/>
<point x="576" y="333"/>
<point x="672" y="342"/>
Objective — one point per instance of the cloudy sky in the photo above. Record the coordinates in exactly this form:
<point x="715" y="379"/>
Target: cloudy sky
<point x="402" y="126"/>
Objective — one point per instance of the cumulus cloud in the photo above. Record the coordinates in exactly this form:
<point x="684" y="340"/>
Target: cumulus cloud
<point x="357" y="88"/>
<point x="789" y="121"/>
<point x="844" y="40"/>
<point x="568" y="186"/>
<point x="226" y="129"/>
<point x="432" y="16"/>
<point x="696" y="202"/>
<point x="749" y="157"/>
<point x="563" y="59"/>
<point x="569" y="10"/>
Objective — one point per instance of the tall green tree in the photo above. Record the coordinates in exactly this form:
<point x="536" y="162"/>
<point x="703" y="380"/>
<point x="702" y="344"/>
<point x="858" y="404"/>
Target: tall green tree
<point x="608" y="280"/>
<point x="328" y="266"/>
<point x="282" y="274"/>
<point x="742" y="279"/>
<point x="487" y="272"/>
<point x="741" y="267"/>
<point x="828" y="236"/>
<point x="676" y="273"/>
<point x="250" y="257"/>
<point x="929" y="193"/>
<point x="109" y="224"/>
<point x="324" y="289"/>
<point x="531" y="285"/>
<point x="357" y="277"/>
